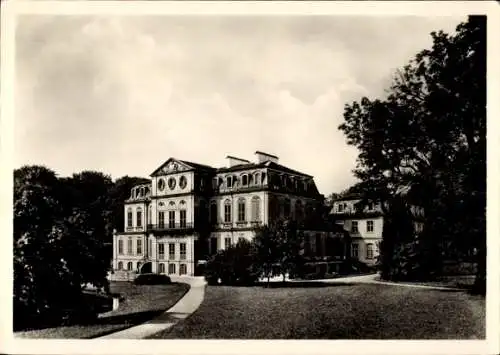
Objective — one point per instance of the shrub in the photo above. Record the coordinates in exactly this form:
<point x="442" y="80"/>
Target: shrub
<point x="233" y="266"/>
<point x="152" y="279"/>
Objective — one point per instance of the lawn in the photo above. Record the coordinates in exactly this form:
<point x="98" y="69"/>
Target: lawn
<point x="140" y="304"/>
<point x="348" y="311"/>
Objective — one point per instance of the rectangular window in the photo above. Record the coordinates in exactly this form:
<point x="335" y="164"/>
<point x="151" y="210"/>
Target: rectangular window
<point x="183" y="218"/>
<point x="150" y="252"/>
<point x="354" y="227"/>
<point x="139" y="246"/>
<point x="183" y="269"/>
<point x="183" y="250"/>
<point x="227" y="213"/>
<point x="227" y="243"/>
<point x="171" y="251"/>
<point x="161" y="219"/>
<point x="129" y="219"/>
<point x="120" y="247"/>
<point x="369" y="226"/>
<point x="340" y="208"/>
<point x="139" y="218"/>
<point x="369" y="251"/>
<point x="241" y="211"/>
<point x="355" y="251"/>
<point x="129" y="247"/>
<point x="171" y="219"/>
<point x="161" y="251"/>
<point x="370" y="207"/>
<point x="171" y="269"/>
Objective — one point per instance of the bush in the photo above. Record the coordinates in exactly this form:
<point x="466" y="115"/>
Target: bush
<point x="233" y="266"/>
<point x="152" y="279"/>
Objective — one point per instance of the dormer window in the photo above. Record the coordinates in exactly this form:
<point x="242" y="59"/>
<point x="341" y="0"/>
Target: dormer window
<point x="370" y="206"/>
<point x="340" y="207"/>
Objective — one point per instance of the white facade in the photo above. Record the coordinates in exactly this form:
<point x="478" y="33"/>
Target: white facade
<point x="365" y="226"/>
<point x="189" y="211"/>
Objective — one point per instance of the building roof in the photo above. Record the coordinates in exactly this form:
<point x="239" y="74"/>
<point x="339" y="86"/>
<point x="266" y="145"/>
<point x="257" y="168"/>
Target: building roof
<point x="198" y="166"/>
<point x="266" y="164"/>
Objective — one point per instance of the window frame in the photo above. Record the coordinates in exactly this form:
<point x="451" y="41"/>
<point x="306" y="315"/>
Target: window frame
<point x="242" y="210"/>
<point x="370" y="226"/>
<point x="183" y="253"/>
<point x="227" y="211"/>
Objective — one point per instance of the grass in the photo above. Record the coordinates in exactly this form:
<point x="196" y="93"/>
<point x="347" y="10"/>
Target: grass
<point x="140" y="304"/>
<point x="348" y="311"/>
<point x="465" y="282"/>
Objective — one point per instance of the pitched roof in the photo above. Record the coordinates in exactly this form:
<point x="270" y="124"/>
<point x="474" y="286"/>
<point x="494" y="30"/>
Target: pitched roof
<point x="198" y="166"/>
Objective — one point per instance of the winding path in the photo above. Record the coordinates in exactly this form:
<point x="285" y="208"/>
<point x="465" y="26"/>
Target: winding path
<point x="181" y="310"/>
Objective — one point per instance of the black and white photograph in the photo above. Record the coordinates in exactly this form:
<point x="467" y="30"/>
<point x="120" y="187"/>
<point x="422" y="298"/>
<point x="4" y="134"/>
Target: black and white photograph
<point x="248" y="175"/>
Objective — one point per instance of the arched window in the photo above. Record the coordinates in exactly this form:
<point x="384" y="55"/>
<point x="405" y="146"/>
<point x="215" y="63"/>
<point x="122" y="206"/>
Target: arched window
<point x="256" y="209"/>
<point x="129" y="218"/>
<point x="213" y="212"/>
<point x="287" y="207"/>
<point x="120" y="265"/>
<point x="171" y="269"/>
<point x="130" y="266"/>
<point x="229" y="182"/>
<point x="369" y="251"/>
<point x="241" y="209"/>
<point x="250" y="179"/>
<point x="150" y="214"/>
<point x="257" y="179"/>
<point x="227" y="211"/>
<point x="161" y="268"/>
<point x="182" y="214"/>
<point x="299" y="210"/>
<point x="183" y="269"/>
<point x="139" y="216"/>
<point x="244" y="180"/>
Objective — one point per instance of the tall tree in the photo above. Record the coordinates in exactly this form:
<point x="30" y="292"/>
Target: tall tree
<point x="429" y="134"/>
<point x="279" y="247"/>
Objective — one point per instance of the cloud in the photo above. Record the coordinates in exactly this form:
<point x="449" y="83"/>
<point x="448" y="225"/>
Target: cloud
<point x="122" y="94"/>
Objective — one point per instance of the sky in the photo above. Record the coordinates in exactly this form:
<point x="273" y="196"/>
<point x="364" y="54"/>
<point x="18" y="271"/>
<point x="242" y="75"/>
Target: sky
<point x="122" y="94"/>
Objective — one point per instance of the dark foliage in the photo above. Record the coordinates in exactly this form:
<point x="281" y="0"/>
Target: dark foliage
<point x="233" y="266"/>
<point x="62" y="231"/>
<point x="428" y="138"/>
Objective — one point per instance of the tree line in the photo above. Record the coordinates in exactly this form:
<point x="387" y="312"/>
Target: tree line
<point x="62" y="238"/>
<point x="425" y="144"/>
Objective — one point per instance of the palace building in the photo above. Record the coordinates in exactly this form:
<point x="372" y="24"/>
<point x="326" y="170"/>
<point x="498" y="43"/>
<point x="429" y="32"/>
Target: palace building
<point x="365" y="225"/>
<point x="189" y="211"/>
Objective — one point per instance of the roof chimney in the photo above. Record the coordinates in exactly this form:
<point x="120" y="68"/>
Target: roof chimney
<point x="262" y="157"/>
<point x="236" y="161"/>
